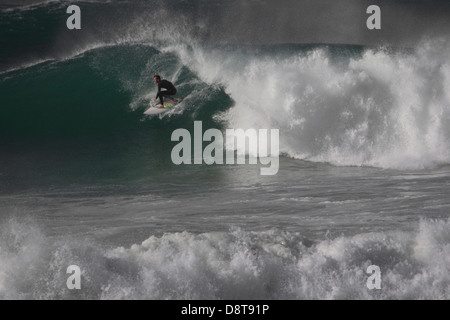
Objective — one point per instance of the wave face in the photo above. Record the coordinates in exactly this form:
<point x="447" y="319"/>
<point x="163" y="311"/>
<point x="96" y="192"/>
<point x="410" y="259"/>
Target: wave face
<point x="237" y="265"/>
<point x="345" y="105"/>
<point x="81" y="119"/>
<point x="341" y="105"/>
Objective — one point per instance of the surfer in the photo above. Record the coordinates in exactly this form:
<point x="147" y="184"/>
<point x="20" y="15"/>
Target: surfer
<point x="163" y="84"/>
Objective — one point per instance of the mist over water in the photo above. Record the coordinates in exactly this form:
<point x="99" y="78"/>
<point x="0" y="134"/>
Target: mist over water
<point x="404" y="24"/>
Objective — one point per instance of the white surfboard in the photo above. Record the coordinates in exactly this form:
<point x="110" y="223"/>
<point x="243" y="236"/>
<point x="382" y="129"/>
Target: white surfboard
<point x="168" y="105"/>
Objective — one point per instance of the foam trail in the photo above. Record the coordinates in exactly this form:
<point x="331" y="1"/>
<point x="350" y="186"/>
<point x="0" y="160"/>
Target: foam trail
<point x="382" y="109"/>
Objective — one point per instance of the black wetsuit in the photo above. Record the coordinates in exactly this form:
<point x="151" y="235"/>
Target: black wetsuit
<point x="170" y="90"/>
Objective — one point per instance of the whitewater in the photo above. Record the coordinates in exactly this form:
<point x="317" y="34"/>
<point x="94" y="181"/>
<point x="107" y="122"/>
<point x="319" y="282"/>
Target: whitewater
<point x="86" y="178"/>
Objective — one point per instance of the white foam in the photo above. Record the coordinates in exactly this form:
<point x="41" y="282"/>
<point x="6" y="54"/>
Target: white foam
<point x="271" y="264"/>
<point x="383" y="109"/>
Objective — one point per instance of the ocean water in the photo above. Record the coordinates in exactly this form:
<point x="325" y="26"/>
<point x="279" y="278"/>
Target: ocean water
<point x="87" y="179"/>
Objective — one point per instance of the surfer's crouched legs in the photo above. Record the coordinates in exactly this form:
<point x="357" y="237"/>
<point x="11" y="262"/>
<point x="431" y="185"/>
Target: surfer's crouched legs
<point x="165" y="94"/>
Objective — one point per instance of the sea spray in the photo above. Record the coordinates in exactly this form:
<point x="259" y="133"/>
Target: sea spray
<point x="383" y="108"/>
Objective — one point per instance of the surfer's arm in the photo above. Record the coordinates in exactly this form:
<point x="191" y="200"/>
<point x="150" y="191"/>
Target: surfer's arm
<point x="159" y="91"/>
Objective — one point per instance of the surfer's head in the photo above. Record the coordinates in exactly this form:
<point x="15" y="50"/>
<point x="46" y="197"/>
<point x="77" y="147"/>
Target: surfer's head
<point x="156" y="78"/>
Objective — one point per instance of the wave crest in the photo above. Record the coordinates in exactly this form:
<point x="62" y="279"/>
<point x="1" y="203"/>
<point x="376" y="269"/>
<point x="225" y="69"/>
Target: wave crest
<point x="381" y="108"/>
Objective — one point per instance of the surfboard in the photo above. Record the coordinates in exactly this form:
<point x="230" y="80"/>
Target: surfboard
<point x="168" y="105"/>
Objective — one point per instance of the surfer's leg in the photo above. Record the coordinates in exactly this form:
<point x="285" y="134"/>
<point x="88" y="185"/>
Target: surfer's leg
<point x="172" y="93"/>
<point x="161" y="96"/>
<point x="168" y="93"/>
